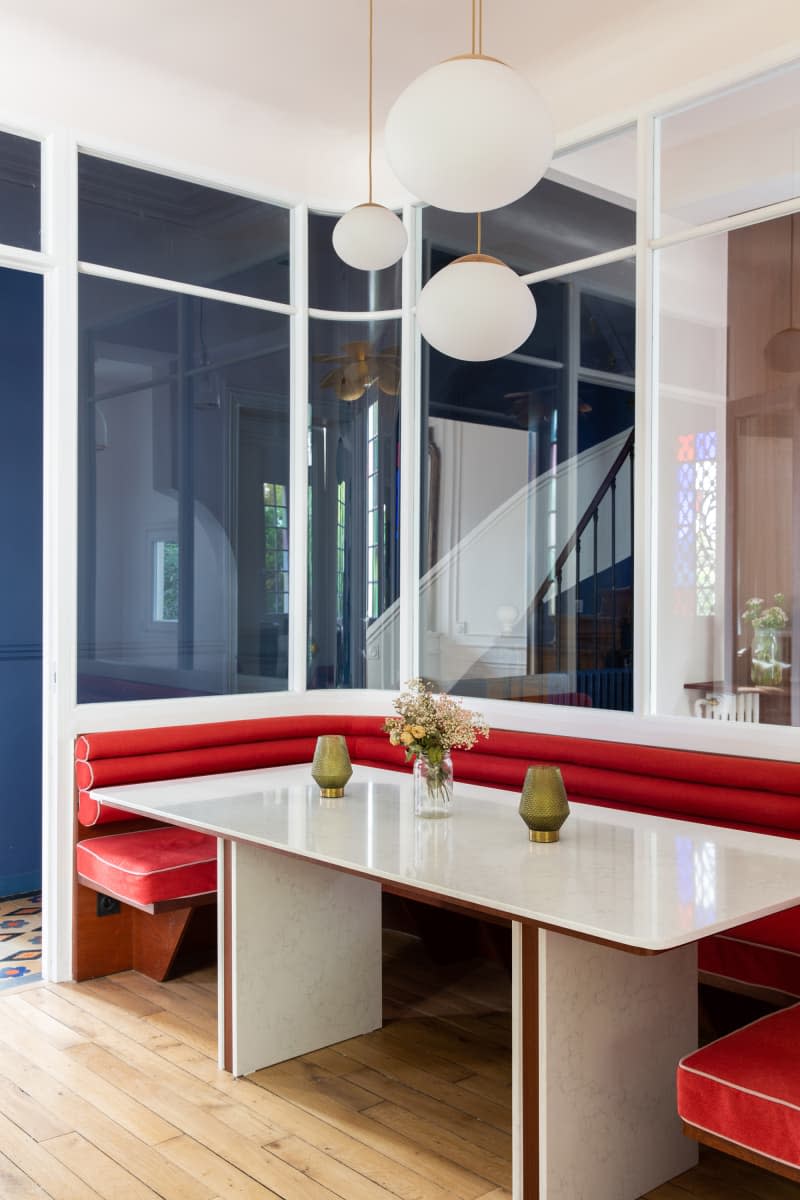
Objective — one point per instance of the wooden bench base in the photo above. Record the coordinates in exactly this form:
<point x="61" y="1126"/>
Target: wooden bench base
<point x="741" y="1152"/>
<point x="151" y="940"/>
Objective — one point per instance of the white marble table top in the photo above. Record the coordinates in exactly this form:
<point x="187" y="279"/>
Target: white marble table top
<point x="642" y="882"/>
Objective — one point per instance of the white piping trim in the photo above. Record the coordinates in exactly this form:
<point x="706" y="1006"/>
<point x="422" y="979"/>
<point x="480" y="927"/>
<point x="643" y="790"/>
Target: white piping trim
<point x="737" y="1087"/>
<point x="766" y="1017"/>
<point x="199" y="862"/>
<point x="756" y="945"/>
<point x="734" y="1142"/>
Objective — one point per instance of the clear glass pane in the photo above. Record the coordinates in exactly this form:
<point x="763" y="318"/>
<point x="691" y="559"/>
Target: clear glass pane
<point x="335" y="286"/>
<point x="20" y="192"/>
<point x="586" y="205"/>
<point x="527" y="567"/>
<point x="731" y="153"/>
<point x="156" y="225"/>
<point x="184" y="433"/>
<point x="728" y="483"/>
<point x="353" y="591"/>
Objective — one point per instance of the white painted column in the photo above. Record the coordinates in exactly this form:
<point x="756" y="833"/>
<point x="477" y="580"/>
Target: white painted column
<point x="300" y="957"/>
<point x="611" y="1028"/>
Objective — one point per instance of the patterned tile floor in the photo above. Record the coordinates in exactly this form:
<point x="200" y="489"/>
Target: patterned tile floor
<point x="20" y="940"/>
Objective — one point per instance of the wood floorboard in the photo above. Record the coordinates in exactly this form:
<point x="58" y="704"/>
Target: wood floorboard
<point x="110" y="1090"/>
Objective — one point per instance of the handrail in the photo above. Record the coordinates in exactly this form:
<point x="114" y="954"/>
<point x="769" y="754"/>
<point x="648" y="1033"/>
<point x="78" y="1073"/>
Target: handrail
<point x="575" y="536"/>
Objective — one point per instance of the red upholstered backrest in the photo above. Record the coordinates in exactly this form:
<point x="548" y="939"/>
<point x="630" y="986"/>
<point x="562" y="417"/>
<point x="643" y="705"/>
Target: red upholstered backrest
<point x="751" y="793"/>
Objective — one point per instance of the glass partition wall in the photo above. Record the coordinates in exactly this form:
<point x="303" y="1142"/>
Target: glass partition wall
<point x="526" y="540"/>
<point x="728" y="408"/>
<point x="540" y="490"/>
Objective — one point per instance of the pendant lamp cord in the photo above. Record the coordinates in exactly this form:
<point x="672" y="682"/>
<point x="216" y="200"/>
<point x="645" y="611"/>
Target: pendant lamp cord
<point x="477" y="27"/>
<point x="369" y="157"/>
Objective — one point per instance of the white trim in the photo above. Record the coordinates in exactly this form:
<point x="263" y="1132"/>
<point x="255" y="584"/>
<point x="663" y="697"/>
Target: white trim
<point x="88" y="847"/>
<point x="298" y="457"/>
<point x="752" y="216"/>
<point x="645" y="495"/>
<point x="410" y="456"/>
<point x="726" y="937"/>
<point x="18" y="259"/>
<point x="59" y="602"/>
<point x="738" y="1087"/>
<point x="330" y="314"/>
<point x="743" y="1145"/>
<point x="185" y="289"/>
<point x="580" y="264"/>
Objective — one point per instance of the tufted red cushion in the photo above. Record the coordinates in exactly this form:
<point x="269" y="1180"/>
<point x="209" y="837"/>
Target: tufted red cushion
<point x="163" y="863"/>
<point x="746" y="1087"/>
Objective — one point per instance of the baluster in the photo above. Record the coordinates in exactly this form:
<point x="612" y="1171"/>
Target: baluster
<point x="576" y="618"/>
<point x="595" y="522"/>
<point x="558" y="619"/>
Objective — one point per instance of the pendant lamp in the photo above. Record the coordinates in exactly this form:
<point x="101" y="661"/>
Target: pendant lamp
<point x="370" y="237"/>
<point x="476" y="308"/>
<point x="782" y="351"/>
<point x="470" y="134"/>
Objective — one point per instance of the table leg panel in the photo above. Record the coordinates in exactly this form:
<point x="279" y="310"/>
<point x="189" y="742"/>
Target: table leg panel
<point x="611" y="1027"/>
<point x="301" y="957"/>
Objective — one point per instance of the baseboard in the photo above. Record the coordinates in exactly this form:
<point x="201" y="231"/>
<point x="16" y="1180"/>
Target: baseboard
<point x="20" y="885"/>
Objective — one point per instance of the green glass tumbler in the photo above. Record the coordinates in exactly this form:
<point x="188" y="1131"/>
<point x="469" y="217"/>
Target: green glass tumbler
<point x="543" y="804"/>
<point x="331" y="767"/>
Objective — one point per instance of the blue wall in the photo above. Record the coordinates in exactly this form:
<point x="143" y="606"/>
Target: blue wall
<point x="20" y="580"/>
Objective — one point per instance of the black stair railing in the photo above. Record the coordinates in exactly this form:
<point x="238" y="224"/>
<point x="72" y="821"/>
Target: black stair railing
<point x="574" y="544"/>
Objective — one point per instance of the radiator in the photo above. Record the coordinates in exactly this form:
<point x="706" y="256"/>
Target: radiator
<point x="610" y="687"/>
<point x="741" y="706"/>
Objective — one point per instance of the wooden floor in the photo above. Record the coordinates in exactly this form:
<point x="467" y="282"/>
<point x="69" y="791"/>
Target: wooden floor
<point x="110" y="1089"/>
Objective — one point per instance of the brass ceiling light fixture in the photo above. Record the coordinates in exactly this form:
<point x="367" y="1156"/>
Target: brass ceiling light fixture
<point x="358" y="367"/>
<point x="782" y="351"/>
<point x="470" y="134"/>
<point x="370" y="236"/>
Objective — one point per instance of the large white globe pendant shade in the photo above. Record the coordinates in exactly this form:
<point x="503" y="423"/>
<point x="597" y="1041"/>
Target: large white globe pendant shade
<point x="469" y="135"/>
<point x="476" y="309"/>
<point x="370" y="237"/>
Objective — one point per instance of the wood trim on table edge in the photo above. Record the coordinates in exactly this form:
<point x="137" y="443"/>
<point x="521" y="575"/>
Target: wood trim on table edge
<point x="736" y="1151"/>
<point x="227" y="968"/>
<point x="530" y="1064"/>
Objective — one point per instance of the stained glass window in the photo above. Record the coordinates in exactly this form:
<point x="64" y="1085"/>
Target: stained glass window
<point x="696" y="529"/>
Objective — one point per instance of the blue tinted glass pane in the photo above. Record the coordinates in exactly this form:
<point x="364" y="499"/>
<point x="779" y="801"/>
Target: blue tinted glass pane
<point x="334" y="285"/>
<point x="183" y="421"/>
<point x="553" y="224"/>
<point x="608" y="334"/>
<point x="156" y="225"/>
<point x="525" y="591"/>
<point x="20" y="192"/>
<point x="353" y="595"/>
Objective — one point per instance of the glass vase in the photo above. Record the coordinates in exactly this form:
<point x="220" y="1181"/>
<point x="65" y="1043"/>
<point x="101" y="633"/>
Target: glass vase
<point x="433" y="786"/>
<point x="766" y="669"/>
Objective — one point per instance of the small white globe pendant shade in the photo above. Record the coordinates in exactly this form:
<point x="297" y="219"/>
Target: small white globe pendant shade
<point x="370" y="237"/>
<point x="469" y="135"/>
<point x="476" y="309"/>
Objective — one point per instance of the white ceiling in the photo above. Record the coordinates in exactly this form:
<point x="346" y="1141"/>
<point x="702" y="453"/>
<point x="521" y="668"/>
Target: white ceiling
<point x="291" y="75"/>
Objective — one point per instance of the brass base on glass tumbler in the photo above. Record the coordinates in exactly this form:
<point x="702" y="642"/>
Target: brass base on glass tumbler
<point x="543" y="835"/>
<point x="331" y="767"/>
<point x="543" y="804"/>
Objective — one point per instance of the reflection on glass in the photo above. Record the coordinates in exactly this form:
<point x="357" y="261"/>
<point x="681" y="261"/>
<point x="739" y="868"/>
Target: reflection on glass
<point x="526" y="548"/>
<point x="156" y="225"/>
<point x="732" y="153"/>
<point x="183" y="542"/>
<point x="332" y="284"/>
<point x="354" y="500"/>
<point x="586" y="205"/>
<point x="728" y="480"/>
<point x="20" y="192"/>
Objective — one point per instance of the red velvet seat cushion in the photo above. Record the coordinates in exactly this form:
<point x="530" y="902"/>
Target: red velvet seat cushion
<point x="765" y="953"/>
<point x="165" y="863"/>
<point x="746" y="1087"/>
